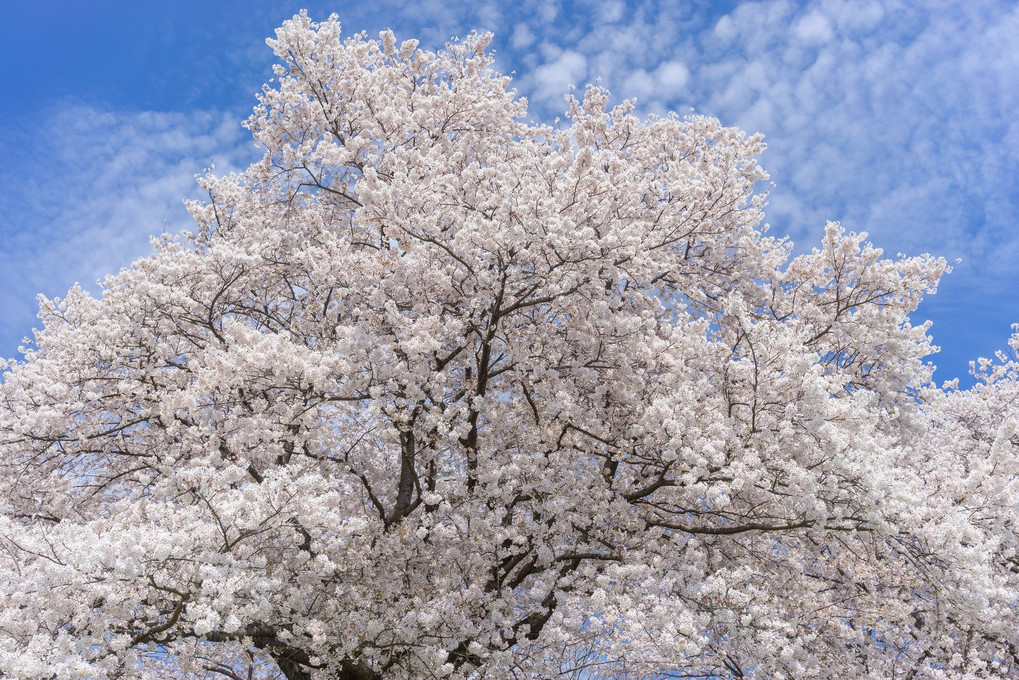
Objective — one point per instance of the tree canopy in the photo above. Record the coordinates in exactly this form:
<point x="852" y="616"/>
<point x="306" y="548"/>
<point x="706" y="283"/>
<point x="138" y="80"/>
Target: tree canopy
<point x="432" y="391"/>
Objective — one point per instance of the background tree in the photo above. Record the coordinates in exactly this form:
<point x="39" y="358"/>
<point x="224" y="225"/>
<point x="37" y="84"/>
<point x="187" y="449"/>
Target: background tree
<point x="435" y="392"/>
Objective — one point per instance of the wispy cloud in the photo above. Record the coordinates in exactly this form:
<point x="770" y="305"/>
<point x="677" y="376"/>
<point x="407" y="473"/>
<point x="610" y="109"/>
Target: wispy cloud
<point x="83" y="197"/>
<point x="893" y="118"/>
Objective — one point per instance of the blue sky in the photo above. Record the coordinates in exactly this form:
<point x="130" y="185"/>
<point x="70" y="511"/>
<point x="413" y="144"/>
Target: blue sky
<point x="898" y="118"/>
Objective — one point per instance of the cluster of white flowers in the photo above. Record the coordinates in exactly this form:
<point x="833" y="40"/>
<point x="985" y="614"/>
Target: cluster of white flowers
<point x="434" y="392"/>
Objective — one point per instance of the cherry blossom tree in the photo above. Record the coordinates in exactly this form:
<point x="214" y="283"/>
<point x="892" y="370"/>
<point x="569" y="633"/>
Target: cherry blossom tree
<point x="432" y="391"/>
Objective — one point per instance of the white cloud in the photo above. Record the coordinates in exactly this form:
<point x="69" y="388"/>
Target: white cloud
<point x="490" y="17"/>
<point x="884" y="116"/>
<point x="725" y="29"/>
<point x="99" y="184"/>
<point x="610" y="12"/>
<point x="655" y="90"/>
<point x="672" y="77"/>
<point x="522" y="36"/>
<point x="640" y="84"/>
<point x="813" y="28"/>
<point x="552" y="80"/>
<point x="854" y="15"/>
<point x="547" y="11"/>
